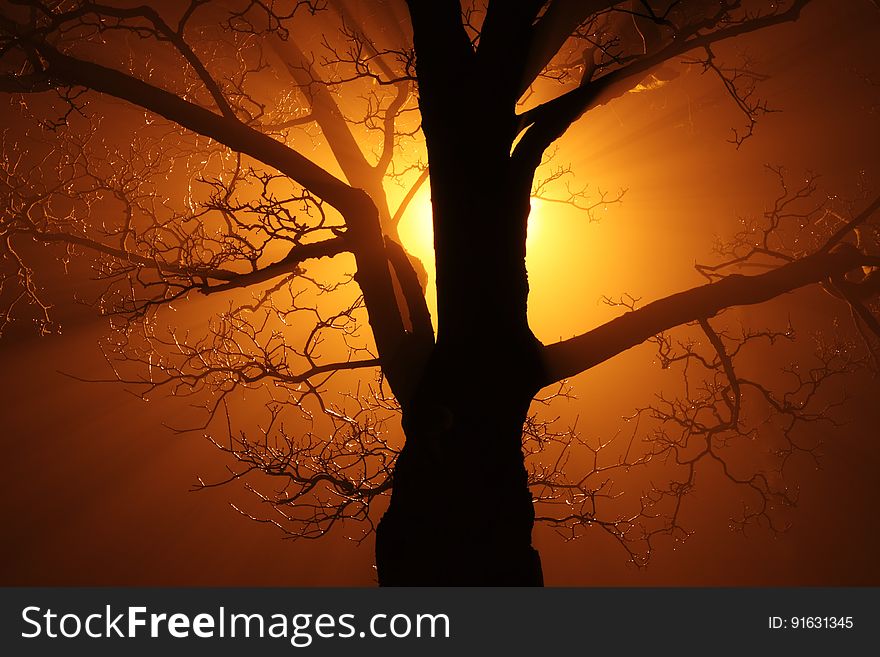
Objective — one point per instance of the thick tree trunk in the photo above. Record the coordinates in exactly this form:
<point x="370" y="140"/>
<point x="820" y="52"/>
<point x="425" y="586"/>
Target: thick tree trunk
<point x="461" y="511"/>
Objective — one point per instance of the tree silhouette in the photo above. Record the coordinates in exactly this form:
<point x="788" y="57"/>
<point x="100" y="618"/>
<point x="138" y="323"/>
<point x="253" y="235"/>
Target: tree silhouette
<point x="165" y="144"/>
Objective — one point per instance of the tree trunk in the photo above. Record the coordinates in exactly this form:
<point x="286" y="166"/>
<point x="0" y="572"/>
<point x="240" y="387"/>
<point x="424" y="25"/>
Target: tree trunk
<point x="461" y="511"/>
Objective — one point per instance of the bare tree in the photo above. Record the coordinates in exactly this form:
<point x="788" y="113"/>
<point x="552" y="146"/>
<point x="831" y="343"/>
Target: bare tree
<point x="165" y="144"/>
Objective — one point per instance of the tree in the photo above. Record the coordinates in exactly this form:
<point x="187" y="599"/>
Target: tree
<point x="209" y="193"/>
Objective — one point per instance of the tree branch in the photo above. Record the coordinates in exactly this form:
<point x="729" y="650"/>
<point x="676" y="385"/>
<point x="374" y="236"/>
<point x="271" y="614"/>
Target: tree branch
<point x="326" y="113"/>
<point x="569" y="357"/>
<point x="410" y="194"/>
<point x="287" y="265"/>
<point x="549" y="121"/>
<point x="128" y="256"/>
<point x="225" y="130"/>
<point x="164" y="31"/>
<point x="26" y="83"/>
<point x="553" y="29"/>
<point x="417" y="308"/>
<point x="364" y="234"/>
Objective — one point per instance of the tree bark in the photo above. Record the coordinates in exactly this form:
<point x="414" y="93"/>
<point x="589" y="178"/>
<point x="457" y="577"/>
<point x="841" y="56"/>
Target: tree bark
<point x="461" y="511"/>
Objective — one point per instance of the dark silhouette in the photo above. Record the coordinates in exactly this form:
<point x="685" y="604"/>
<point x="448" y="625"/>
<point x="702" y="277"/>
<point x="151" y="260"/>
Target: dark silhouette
<point x="463" y="394"/>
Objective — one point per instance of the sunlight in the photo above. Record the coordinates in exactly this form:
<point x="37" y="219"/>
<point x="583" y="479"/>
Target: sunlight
<point x="536" y="220"/>
<point x="568" y="257"/>
<point x="416" y="229"/>
<point x="547" y="257"/>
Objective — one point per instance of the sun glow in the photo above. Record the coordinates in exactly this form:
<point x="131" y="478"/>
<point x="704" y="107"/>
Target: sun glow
<point x="573" y="260"/>
<point x="536" y="220"/>
<point x="416" y="228"/>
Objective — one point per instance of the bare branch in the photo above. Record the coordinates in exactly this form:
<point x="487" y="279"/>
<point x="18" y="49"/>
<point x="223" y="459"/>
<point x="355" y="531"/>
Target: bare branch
<point x="547" y="122"/>
<point x="564" y="359"/>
